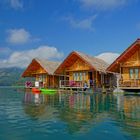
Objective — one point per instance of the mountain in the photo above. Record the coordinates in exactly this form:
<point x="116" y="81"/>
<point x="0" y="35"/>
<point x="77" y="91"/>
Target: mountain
<point x="11" y="76"/>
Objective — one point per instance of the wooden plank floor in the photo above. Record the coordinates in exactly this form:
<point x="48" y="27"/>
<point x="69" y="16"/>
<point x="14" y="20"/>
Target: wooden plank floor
<point x="129" y="87"/>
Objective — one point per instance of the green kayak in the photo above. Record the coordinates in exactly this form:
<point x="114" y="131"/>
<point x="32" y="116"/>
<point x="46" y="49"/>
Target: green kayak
<point x="48" y="91"/>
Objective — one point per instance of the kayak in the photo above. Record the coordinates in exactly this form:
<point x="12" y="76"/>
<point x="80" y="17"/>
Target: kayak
<point x="35" y="90"/>
<point x="48" y="91"/>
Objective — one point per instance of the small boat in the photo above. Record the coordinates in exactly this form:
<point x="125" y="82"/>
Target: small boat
<point x="36" y="90"/>
<point x="48" y="91"/>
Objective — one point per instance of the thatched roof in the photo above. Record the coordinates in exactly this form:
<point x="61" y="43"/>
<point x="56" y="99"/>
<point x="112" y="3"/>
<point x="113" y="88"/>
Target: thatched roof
<point x="93" y="62"/>
<point x="97" y="64"/>
<point x="115" y="66"/>
<point x="47" y="67"/>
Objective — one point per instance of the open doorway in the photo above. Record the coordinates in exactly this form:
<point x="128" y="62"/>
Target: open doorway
<point x="90" y="75"/>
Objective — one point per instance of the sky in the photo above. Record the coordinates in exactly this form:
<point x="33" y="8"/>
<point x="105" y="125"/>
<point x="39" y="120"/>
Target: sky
<point x="51" y="29"/>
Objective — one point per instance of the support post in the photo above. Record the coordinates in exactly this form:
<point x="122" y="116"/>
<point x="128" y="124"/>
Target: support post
<point x="53" y="81"/>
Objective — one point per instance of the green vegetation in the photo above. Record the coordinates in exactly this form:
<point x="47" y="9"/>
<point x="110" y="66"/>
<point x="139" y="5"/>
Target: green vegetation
<point x="11" y="77"/>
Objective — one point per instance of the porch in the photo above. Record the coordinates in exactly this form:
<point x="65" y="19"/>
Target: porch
<point x="129" y="84"/>
<point x="71" y="84"/>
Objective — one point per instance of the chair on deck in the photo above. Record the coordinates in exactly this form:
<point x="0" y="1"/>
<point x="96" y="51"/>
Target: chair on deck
<point x="28" y="84"/>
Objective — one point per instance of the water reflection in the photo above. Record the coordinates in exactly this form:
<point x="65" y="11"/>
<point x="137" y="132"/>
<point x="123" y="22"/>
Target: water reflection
<point x="81" y="112"/>
<point x="129" y="114"/>
<point x="132" y="107"/>
<point x="39" y="106"/>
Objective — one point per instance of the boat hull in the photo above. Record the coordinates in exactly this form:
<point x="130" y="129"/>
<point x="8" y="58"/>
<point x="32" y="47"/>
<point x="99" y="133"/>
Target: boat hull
<point x="48" y="91"/>
<point x="36" y="90"/>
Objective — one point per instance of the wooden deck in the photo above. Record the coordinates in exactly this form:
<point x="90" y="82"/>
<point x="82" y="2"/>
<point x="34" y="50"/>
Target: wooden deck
<point x="131" y="84"/>
<point x="123" y="88"/>
<point x="66" y="84"/>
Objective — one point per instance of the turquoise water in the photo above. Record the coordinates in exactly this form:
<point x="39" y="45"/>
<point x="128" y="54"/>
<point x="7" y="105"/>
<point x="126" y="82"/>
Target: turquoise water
<point x="68" y="116"/>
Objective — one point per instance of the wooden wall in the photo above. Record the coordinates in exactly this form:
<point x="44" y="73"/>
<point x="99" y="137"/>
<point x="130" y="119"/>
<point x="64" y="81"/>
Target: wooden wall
<point x="132" y="62"/>
<point x="79" y="65"/>
<point x="33" y="69"/>
<point x="49" y="81"/>
<point x="72" y="78"/>
<point x="125" y="73"/>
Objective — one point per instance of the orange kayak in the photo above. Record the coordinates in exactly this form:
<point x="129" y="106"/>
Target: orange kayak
<point x="36" y="90"/>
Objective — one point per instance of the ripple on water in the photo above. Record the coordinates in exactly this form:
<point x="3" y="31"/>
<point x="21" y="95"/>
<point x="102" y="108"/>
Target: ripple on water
<point x="69" y="116"/>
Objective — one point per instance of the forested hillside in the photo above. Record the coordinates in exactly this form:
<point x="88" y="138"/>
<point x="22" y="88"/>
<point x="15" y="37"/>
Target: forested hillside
<point x="11" y="76"/>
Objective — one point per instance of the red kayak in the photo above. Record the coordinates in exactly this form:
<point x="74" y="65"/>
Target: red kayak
<point x="36" y="90"/>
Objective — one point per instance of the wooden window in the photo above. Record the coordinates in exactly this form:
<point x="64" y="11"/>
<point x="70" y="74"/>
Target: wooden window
<point x="44" y="78"/>
<point x="136" y="73"/>
<point x="77" y="76"/>
<point x="84" y="76"/>
<point x="131" y="74"/>
<point x="74" y="76"/>
<point x="40" y="78"/>
<point x="80" y="76"/>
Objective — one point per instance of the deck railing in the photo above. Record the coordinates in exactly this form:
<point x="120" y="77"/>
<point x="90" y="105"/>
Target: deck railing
<point x="73" y="84"/>
<point x="129" y="83"/>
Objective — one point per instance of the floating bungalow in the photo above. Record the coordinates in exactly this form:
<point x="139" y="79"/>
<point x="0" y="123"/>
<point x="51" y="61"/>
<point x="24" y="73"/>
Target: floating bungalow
<point x="43" y="73"/>
<point x="80" y="69"/>
<point x="128" y="66"/>
<point x="77" y="71"/>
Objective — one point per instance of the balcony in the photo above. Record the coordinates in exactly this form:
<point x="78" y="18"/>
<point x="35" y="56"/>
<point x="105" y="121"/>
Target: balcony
<point x="72" y="84"/>
<point x="129" y="84"/>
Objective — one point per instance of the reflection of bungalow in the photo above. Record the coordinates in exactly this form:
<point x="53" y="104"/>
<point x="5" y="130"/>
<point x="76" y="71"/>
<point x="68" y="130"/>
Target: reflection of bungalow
<point x="131" y="107"/>
<point x="43" y="72"/>
<point x="128" y="65"/>
<point x="81" y="68"/>
<point x="43" y="110"/>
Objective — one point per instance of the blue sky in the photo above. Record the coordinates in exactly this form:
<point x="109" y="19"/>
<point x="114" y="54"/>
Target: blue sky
<point x="53" y="28"/>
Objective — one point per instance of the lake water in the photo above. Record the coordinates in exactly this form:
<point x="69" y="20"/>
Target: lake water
<point x="65" y="116"/>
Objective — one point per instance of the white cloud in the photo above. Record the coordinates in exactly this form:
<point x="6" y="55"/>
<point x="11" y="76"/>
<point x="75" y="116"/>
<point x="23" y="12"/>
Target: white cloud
<point x="108" y="56"/>
<point x="23" y="58"/>
<point x="18" y="36"/>
<point x="103" y="4"/>
<point x="82" y="24"/>
<point x="16" y="4"/>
